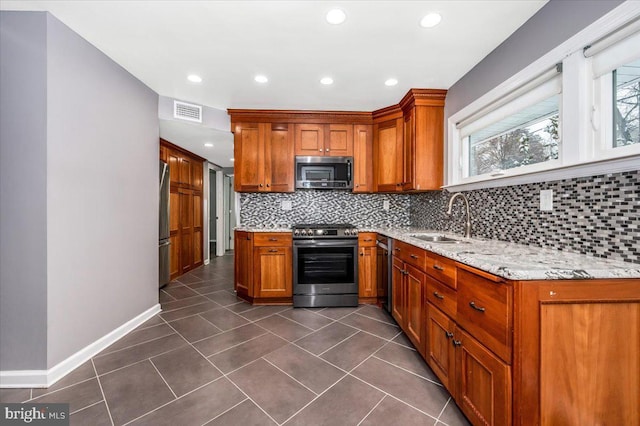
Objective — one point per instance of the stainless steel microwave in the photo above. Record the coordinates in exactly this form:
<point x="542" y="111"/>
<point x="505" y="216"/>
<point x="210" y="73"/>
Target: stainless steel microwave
<point x="324" y="172"/>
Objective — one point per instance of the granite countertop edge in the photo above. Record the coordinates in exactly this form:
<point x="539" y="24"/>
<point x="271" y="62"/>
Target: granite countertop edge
<point x="508" y="260"/>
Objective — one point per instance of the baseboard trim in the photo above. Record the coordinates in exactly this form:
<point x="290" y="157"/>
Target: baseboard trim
<point x="46" y="378"/>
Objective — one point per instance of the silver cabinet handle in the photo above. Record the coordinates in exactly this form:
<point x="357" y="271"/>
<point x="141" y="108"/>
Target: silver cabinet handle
<point x="273" y="250"/>
<point x="413" y="256"/>
<point x="327" y="149"/>
<point x="438" y="268"/>
<point x="456" y="342"/>
<point x="476" y="307"/>
<point x="438" y="295"/>
<point x="165" y="244"/>
<point x="448" y="334"/>
<point x="273" y="239"/>
<point x="320" y="150"/>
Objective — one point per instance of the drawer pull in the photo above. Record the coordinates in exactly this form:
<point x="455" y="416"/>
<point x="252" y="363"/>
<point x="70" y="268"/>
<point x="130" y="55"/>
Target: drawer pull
<point x="477" y="308"/>
<point x="456" y="342"/>
<point x="273" y="239"/>
<point x="397" y="249"/>
<point x="413" y="256"/>
<point x="404" y="272"/>
<point x="438" y="295"/>
<point x="448" y="334"/>
<point x="273" y="250"/>
<point x="438" y="268"/>
<point x="368" y="240"/>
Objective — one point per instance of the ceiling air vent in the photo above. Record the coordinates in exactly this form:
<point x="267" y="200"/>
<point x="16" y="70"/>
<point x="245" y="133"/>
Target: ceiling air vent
<point x="185" y="111"/>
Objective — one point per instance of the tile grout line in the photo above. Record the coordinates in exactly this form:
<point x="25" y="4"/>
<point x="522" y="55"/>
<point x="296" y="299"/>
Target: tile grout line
<point x="134" y="344"/>
<point x="84" y="408"/>
<point x="445" y="407"/>
<point x="289" y="375"/>
<point x="61" y="389"/>
<point x="225" y="411"/>
<point x="408" y="371"/>
<point x="375" y="319"/>
<point x="314" y="399"/>
<point x="163" y="379"/>
<point x="106" y="404"/>
<point x="371" y="411"/>
<point x="341" y="341"/>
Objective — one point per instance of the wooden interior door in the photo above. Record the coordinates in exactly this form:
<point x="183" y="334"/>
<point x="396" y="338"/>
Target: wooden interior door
<point x="186" y="229"/>
<point x="279" y="158"/>
<point x="339" y="142"/>
<point x="309" y="139"/>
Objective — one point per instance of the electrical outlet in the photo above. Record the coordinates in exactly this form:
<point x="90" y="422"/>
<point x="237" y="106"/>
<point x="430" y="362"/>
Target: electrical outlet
<point x="546" y="200"/>
<point x="286" y="205"/>
<point x="385" y="205"/>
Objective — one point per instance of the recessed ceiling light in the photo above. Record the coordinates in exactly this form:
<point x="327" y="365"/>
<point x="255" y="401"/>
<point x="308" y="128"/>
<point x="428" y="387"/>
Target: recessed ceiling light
<point x="194" y="78"/>
<point x="391" y="82"/>
<point x="261" y="78"/>
<point x="326" y="80"/>
<point x="430" y="20"/>
<point x="336" y="16"/>
<point x="208" y="145"/>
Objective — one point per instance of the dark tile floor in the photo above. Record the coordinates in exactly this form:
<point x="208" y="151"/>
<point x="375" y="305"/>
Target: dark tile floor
<point x="212" y="359"/>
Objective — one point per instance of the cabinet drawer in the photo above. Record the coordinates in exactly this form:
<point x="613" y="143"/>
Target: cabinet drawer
<point x="485" y="310"/>
<point x="367" y="239"/>
<point x="442" y="269"/>
<point x="272" y="239"/>
<point x="442" y="297"/>
<point x="411" y="254"/>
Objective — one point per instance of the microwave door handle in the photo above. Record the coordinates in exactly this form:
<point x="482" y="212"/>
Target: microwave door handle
<point x="349" y="171"/>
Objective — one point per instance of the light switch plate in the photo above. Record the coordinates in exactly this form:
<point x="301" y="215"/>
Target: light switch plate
<point x="385" y="205"/>
<point x="286" y="205"/>
<point x="546" y="200"/>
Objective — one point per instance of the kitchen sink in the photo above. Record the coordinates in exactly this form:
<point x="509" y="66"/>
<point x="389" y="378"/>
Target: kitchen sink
<point x="437" y="238"/>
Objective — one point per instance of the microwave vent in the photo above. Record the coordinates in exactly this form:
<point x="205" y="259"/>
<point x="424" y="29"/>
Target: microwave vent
<point x="185" y="111"/>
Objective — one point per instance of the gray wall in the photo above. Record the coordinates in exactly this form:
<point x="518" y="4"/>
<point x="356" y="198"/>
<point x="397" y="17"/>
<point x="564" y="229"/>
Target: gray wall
<point x="102" y="217"/>
<point x="23" y="191"/>
<point x="78" y="192"/>
<point x="556" y="22"/>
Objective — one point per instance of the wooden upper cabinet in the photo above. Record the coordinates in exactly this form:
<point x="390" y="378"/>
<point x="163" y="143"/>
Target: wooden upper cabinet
<point x="339" y="140"/>
<point x="279" y="158"/>
<point x="173" y="159"/>
<point x="388" y="155"/>
<point x="309" y="139"/>
<point x="423" y="139"/>
<point x="197" y="175"/>
<point x="264" y="160"/>
<point x="362" y="158"/>
<point x="335" y="140"/>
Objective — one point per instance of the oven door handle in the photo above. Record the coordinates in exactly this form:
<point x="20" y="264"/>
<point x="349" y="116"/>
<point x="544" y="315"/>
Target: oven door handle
<point x="326" y="243"/>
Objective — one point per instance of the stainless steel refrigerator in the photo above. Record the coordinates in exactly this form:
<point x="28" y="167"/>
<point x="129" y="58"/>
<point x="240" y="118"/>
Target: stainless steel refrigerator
<point x="165" y="252"/>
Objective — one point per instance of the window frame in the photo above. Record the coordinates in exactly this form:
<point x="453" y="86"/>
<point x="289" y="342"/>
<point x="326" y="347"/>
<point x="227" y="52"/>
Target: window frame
<point x="582" y="150"/>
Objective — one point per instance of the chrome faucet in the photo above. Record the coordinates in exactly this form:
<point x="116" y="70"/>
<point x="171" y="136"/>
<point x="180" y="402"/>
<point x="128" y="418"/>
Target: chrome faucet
<point x="467" y="225"/>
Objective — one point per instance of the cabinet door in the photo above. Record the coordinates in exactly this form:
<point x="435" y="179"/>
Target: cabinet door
<point x="440" y="350"/>
<point x="415" y="283"/>
<point x="388" y="156"/>
<point x="249" y="162"/>
<point x="483" y="381"/>
<point x="186" y="229"/>
<point x="339" y="141"/>
<point x="272" y="272"/>
<point x="198" y="238"/>
<point x="398" y="297"/>
<point x="197" y="175"/>
<point x="279" y="159"/>
<point x="174" y="232"/>
<point x="367" y="272"/>
<point x="173" y="159"/>
<point x="243" y="263"/>
<point x="428" y="148"/>
<point x="309" y="139"/>
<point x="362" y="158"/>
<point x="409" y="150"/>
<point x="186" y="171"/>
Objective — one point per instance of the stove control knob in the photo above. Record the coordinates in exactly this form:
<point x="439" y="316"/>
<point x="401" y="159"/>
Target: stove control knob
<point x="354" y="232"/>
<point x="319" y="232"/>
<point x="296" y="232"/>
<point x="310" y="232"/>
<point x="347" y="232"/>
<point x="303" y="232"/>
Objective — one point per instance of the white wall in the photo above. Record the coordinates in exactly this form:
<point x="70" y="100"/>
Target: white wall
<point x="102" y="194"/>
<point x="23" y="209"/>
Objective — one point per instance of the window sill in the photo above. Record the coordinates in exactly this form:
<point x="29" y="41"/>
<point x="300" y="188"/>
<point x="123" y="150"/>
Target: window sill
<point x="595" y="168"/>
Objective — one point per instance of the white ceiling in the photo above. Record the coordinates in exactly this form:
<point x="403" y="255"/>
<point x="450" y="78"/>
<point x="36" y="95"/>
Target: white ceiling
<point x="228" y="42"/>
<point x="193" y="137"/>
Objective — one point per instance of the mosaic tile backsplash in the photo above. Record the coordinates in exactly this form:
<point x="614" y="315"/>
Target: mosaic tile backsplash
<point x="598" y="215"/>
<point x="314" y="206"/>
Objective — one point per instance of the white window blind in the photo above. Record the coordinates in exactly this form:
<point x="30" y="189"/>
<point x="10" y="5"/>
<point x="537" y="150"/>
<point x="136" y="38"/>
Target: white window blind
<point x="615" y="50"/>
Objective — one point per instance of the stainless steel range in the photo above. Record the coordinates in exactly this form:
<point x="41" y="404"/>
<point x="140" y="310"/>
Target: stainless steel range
<point x="325" y="265"/>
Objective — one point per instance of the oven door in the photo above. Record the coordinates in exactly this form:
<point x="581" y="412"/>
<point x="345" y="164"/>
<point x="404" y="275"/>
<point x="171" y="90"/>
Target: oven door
<point x="325" y="266"/>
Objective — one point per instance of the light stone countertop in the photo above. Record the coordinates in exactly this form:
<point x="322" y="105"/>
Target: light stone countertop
<point x="516" y="261"/>
<point x="508" y="260"/>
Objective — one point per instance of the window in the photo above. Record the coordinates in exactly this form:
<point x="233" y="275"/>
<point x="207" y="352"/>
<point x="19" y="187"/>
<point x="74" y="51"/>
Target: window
<point x="579" y="118"/>
<point x="626" y="104"/>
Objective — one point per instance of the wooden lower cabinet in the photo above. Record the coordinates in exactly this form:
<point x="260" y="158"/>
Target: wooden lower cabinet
<point x="408" y="301"/>
<point x="440" y="349"/>
<point x="272" y="272"/>
<point x="367" y="268"/>
<point x="263" y="267"/>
